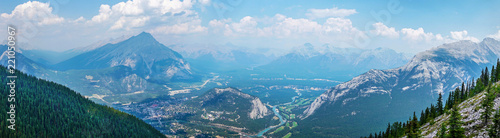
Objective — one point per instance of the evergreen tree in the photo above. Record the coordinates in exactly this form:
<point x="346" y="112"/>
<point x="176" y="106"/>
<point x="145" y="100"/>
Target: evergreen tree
<point x="442" y="131"/>
<point x="487" y="105"/>
<point x="440" y="104"/>
<point x="48" y="109"/>
<point x="462" y="92"/>
<point x="449" y="101"/>
<point x="433" y="111"/>
<point x="486" y="78"/>
<point x="494" y="131"/>
<point x="414" y="128"/>
<point x="498" y="70"/>
<point x="455" y="124"/>
<point x="479" y="86"/>
<point x="493" y="74"/>
<point x="388" y="131"/>
<point x="456" y="96"/>
<point x="422" y="117"/>
<point x="427" y="113"/>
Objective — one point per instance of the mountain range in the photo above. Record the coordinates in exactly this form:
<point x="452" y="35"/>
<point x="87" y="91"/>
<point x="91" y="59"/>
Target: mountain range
<point x="333" y="62"/>
<point x="222" y="58"/>
<point x="140" y="67"/>
<point x="136" y="68"/>
<point x="381" y="96"/>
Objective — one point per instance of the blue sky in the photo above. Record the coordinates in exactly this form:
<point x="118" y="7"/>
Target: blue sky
<point x="280" y="24"/>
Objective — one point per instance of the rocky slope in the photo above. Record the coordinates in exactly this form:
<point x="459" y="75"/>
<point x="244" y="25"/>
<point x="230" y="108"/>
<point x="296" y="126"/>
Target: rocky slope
<point x="381" y="96"/>
<point x="471" y="116"/>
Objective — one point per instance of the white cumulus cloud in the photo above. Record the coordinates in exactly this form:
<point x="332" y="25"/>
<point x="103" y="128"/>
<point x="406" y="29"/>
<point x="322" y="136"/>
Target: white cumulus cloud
<point x="420" y="35"/>
<point x="333" y="30"/>
<point x="462" y="35"/>
<point x="32" y="11"/>
<point x="496" y="36"/>
<point x="172" y="15"/>
<point x="383" y="30"/>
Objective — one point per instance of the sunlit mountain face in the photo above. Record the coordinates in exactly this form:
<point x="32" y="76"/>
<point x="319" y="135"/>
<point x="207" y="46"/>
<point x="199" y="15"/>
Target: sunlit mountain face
<point x="222" y="68"/>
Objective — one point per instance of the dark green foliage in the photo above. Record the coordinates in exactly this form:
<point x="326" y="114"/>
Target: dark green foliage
<point x="487" y="105"/>
<point x="497" y="71"/>
<point x="47" y="109"/>
<point x="486" y="77"/>
<point x="440" y="104"/>
<point x="494" y="131"/>
<point x="460" y="94"/>
<point x="493" y="74"/>
<point x="455" y="124"/>
<point x="413" y="131"/>
<point x="442" y="131"/>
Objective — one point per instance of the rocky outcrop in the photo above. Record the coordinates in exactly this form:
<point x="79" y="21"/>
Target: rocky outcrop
<point x="259" y="110"/>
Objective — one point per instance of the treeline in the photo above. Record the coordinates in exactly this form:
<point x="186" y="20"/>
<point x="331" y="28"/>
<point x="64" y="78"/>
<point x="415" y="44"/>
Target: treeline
<point x="48" y="109"/>
<point x="468" y="89"/>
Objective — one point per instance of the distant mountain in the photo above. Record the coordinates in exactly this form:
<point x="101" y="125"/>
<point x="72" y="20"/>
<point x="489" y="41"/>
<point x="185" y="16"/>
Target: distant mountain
<point x="22" y="63"/>
<point x="333" y="62"/>
<point x="231" y="108"/>
<point x="217" y="58"/>
<point x="376" y="97"/>
<point x="147" y="58"/>
<point x="48" y="58"/>
<point x="48" y="109"/>
<point x="131" y="70"/>
<point x="98" y="44"/>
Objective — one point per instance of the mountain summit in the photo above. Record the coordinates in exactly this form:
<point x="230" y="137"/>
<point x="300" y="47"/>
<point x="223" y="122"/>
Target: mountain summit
<point x="146" y="57"/>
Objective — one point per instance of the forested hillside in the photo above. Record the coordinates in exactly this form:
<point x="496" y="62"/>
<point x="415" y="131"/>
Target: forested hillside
<point x="48" y="109"/>
<point x="469" y="111"/>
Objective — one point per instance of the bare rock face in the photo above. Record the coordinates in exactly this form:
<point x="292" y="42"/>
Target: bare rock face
<point x="259" y="110"/>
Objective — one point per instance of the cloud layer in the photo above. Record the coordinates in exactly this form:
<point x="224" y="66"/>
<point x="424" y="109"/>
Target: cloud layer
<point x="178" y="21"/>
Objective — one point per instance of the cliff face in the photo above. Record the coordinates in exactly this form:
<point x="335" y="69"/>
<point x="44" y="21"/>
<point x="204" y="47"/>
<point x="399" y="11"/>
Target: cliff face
<point x="259" y="110"/>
